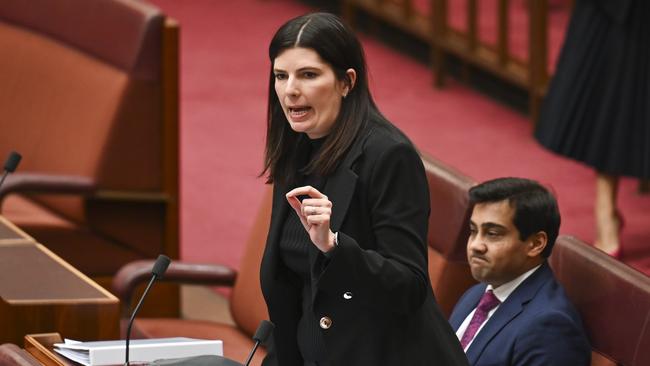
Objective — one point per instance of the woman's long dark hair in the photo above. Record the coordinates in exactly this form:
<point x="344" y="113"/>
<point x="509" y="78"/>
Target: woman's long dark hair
<point x="337" y="45"/>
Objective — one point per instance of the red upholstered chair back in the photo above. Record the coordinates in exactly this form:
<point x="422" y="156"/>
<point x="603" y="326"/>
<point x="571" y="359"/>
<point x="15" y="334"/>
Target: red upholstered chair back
<point x="448" y="232"/>
<point x="612" y="299"/>
<point x="81" y="90"/>
<point x="87" y="92"/>
<point x="247" y="304"/>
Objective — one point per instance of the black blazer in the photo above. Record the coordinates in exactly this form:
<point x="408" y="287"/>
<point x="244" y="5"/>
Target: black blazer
<point x="375" y="287"/>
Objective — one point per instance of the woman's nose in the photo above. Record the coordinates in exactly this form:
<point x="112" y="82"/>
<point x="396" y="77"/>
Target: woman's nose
<point x="291" y="87"/>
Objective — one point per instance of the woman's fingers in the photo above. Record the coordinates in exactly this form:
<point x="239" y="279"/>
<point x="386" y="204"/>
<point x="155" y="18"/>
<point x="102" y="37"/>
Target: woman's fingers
<point x="324" y="202"/>
<point x="318" y="219"/>
<point x="317" y="204"/>
<point x="294" y="202"/>
<point x="306" y="191"/>
<point x="314" y="212"/>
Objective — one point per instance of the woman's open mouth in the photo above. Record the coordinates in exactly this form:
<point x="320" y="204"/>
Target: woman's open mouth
<point x="298" y="113"/>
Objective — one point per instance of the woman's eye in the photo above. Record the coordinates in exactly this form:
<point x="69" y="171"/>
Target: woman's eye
<point x="310" y="75"/>
<point x="280" y="76"/>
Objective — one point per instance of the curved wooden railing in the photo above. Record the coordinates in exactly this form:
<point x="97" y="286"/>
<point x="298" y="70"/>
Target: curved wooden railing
<point x="429" y="21"/>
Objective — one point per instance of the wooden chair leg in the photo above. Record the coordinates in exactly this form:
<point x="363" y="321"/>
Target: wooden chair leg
<point x="534" y="105"/>
<point x="438" y="66"/>
<point x="348" y="13"/>
<point x="644" y="186"/>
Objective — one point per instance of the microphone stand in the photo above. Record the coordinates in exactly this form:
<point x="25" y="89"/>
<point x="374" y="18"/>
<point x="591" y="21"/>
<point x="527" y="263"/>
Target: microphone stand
<point x="159" y="268"/>
<point x="250" y="355"/>
<point x="137" y="307"/>
<point x="4" y="175"/>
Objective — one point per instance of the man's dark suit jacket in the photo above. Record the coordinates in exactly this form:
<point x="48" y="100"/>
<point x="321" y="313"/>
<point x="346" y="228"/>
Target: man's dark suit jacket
<point x="536" y="325"/>
<point x="374" y="287"/>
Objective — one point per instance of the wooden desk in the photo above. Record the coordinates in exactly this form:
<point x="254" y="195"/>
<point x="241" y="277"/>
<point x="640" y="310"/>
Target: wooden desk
<point x="10" y="233"/>
<point x="41" y="347"/>
<point x="41" y="293"/>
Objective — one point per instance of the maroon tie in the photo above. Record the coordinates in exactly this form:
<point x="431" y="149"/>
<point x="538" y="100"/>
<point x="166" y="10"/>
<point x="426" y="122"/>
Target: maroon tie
<point x="487" y="303"/>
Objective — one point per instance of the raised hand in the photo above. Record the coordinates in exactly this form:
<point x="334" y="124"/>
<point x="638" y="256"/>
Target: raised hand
<point x="314" y="213"/>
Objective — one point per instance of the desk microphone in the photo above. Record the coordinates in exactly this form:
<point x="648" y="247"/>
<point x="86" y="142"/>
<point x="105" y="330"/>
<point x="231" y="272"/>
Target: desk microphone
<point x="158" y="271"/>
<point x="10" y="165"/>
<point x="262" y="333"/>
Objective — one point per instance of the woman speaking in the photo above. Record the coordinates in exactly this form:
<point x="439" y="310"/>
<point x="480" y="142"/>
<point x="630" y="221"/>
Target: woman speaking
<point x="344" y="272"/>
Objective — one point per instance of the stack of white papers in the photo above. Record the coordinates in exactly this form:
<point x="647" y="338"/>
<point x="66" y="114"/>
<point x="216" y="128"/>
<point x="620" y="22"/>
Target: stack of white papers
<point x="140" y="350"/>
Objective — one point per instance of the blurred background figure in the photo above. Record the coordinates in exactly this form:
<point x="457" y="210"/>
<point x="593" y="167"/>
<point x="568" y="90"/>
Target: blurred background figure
<point x="596" y="110"/>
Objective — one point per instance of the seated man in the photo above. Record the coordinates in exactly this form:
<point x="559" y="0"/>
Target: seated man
<point x="518" y="314"/>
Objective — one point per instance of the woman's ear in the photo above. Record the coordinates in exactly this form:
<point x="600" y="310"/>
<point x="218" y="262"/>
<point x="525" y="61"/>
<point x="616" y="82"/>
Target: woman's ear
<point x="350" y="80"/>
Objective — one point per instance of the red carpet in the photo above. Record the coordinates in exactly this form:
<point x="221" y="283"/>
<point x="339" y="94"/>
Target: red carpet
<point x="224" y="80"/>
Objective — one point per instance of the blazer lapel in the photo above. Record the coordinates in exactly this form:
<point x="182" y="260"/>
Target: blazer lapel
<point x="339" y="189"/>
<point x="507" y="311"/>
<point x="341" y="185"/>
<point x="466" y="306"/>
<point x="504" y="314"/>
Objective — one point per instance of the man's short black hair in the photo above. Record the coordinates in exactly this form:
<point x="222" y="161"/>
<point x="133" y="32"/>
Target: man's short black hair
<point x="535" y="207"/>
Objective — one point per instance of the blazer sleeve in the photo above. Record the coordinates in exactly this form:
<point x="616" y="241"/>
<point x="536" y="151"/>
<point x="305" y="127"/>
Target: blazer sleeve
<point x="393" y="275"/>
<point x="551" y="339"/>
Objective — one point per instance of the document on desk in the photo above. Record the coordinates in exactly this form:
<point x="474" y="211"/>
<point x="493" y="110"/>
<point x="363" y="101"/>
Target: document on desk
<point x="140" y="350"/>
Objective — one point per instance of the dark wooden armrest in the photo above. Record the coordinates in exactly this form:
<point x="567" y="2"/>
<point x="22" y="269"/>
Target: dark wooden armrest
<point x="10" y="354"/>
<point x="47" y="183"/>
<point x="137" y="272"/>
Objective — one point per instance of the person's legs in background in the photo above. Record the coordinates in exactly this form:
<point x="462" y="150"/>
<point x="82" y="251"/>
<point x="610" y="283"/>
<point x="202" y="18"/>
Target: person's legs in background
<point x="608" y="219"/>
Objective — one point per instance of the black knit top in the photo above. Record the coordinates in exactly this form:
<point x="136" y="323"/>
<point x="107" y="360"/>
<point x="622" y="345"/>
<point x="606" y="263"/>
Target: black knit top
<point x="294" y="246"/>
